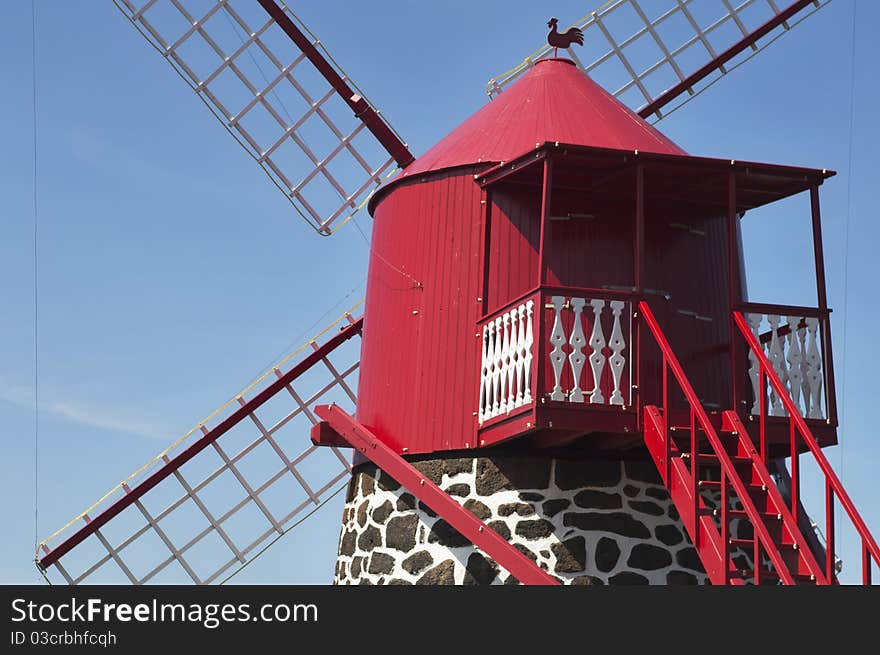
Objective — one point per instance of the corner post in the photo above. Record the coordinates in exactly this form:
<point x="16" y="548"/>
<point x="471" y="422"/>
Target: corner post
<point x="822" y="296"/>
<point x="638" y="285"/>
<point x="734" y="292"/>
<point x="546" y="192"/>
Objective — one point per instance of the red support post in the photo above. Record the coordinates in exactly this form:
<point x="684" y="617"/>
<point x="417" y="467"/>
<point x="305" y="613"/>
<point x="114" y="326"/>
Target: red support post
<point x="546" y="193"/>
<point x="822" y="295"/>
<point x="472" y="528"/>
<point x="734" y="289"/>
<point x="829" y="530"/>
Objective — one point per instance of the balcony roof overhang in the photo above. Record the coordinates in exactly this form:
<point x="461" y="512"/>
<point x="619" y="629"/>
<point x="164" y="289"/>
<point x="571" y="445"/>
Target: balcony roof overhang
<point x="700" y="181"/>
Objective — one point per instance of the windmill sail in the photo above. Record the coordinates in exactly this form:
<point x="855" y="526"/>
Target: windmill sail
<point x="203" y="507"/>
<point x="278" y="92"/>
<point x="655" y="54"/>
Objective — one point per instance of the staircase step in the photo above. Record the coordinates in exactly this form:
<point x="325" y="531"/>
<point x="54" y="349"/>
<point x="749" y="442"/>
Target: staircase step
<point x="716" y="484"/>
<point x="770" y="576"/>
<point x="712" y="459"/>
<point x="742" y="514"/>
<point x="750" y="544"/>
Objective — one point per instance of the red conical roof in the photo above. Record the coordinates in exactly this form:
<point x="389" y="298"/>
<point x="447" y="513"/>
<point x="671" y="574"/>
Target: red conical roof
<point x="554" y="101"/>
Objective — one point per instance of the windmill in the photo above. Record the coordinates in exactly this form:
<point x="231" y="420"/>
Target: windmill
<point x="249" y="76"/>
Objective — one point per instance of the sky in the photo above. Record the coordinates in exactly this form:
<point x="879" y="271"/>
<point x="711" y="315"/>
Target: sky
<point x="170" y="272"/>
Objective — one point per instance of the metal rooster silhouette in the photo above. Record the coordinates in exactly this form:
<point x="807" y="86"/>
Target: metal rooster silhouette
<point x="557" y="40"/>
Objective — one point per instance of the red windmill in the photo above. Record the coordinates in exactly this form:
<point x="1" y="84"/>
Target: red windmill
<point x="552" y="387"/>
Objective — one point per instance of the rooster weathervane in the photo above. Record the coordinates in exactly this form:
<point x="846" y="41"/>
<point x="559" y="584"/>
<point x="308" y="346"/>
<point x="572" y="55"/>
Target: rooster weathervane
<point x="557" y="40"/>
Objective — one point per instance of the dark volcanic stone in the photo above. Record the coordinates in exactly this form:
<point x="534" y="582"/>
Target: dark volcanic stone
<point x="642" y="471"/>
<point x="681" y="577"/>
<point x="478" y="509"/>
<point x="387" y="483"/>
<point x="525" y="551"/>
<point x="657" y="492"/>
<point x="362" y="513"/>
<point x="382" y="512"/>
<point x="531" y="497"/>
<point x="607" y="554"/>
<point x="631" y="491"/>
<point x="427" y="510"/>
<point x="597" y="500"/>
<point x="460" y="489"/>
<point x="668" y="534"/>
<point x="501" y="528"/>
<point x="351" y="492"/>
<point x="368" y="483"/>
<point x="458" y="465"/>
<point x="534" y="529"/>
<point x="552" y="507"/>
<point x="401" y="532"/>
<point x="397" y="582"/>
<point x="627" y="577"/>
<point x="687" y="558"/>
<point x="648" y="557"/>
<point x="442" y="574"/>
<point x="479" y="570"/>
<point x="616" y="522"/>
<point x="515" y="508"/>
<point x="510" y="580"/>
<point x="432" y="469"/>
<point x="673" y="513"/>
<point x="571" y="555"/>
<point x="446" y="535"/>
<point x="381" y="563"/>
<point x="585" y="580"/>
<point x="369" y="539"/>
<point x="511" y="472"/>
<point x="406" y="502"/>
<point x="646" y="507"/>
<point x="574" y="474"/>
<point x="347" y="545"/>
<point x="417" y="562"/>
<point x="356" y="565"/>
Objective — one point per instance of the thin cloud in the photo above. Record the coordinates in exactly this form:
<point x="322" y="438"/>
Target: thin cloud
<point x="109" y="419"/>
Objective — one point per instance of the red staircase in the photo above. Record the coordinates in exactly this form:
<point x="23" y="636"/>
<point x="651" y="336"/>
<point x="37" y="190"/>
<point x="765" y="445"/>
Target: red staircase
<point x="709" y="467"/>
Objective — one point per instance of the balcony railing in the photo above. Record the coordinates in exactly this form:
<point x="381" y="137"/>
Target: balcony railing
<point x="565" y="347"/>
<point x="558" y="345"/>
<point x="796" y="341"/>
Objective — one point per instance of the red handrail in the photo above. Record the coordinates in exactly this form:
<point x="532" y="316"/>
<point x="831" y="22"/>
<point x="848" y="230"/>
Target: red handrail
<point x="833" y="485"/>
<point x="729" y="474"/>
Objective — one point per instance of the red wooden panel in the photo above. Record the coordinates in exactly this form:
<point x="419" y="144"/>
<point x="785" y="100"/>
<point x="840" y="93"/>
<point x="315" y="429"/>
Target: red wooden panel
<point x="513" y="243"/>
<point x="420" y="357"/>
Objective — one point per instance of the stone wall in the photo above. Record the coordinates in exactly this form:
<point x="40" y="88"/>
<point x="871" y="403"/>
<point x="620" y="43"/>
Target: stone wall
<point x="585" y="521"/>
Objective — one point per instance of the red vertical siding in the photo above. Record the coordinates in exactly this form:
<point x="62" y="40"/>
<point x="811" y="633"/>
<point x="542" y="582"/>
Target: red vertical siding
<point x="420" y="358"/>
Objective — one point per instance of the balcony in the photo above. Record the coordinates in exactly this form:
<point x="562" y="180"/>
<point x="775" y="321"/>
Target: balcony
<point x="559" y="363"/>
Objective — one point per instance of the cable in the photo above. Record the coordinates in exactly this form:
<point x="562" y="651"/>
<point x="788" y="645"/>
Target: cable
<point x="36" y="287"/>
<point x="271" y="543"/>
<point x="852" y="113"/>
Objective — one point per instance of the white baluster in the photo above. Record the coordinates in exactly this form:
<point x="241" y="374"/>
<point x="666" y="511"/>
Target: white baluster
<point x="484" y="374"/>
<point x="557" y="355"/>
<point x="777" y="359"/>
<point x="505" y="362"/>
<point x="755" y="368"/>
<point x="529" y="354"/>
<point x="511" y="364"/>
<point x="805" y="366"/>
<point x="794" y="357"/>
<point x="496" y="371"/>
<point x="597" y="359"/>
<point x="519" y="373"/>
<point x="814" y="368"/>
<point x="489" y="412"/>
<point x="577" y="358"/>
<point x="617" y="344"/>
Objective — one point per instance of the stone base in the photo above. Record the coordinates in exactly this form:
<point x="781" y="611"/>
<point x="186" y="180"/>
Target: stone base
<point x="585" y="521"/>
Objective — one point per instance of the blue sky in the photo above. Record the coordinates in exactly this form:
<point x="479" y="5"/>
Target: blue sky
<point x="171" y="272"/>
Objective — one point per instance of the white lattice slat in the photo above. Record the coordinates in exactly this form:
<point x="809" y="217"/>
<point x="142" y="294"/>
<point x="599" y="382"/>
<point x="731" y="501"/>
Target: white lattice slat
<point x="264" y="91"/>
<point x="658" y="45"/>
